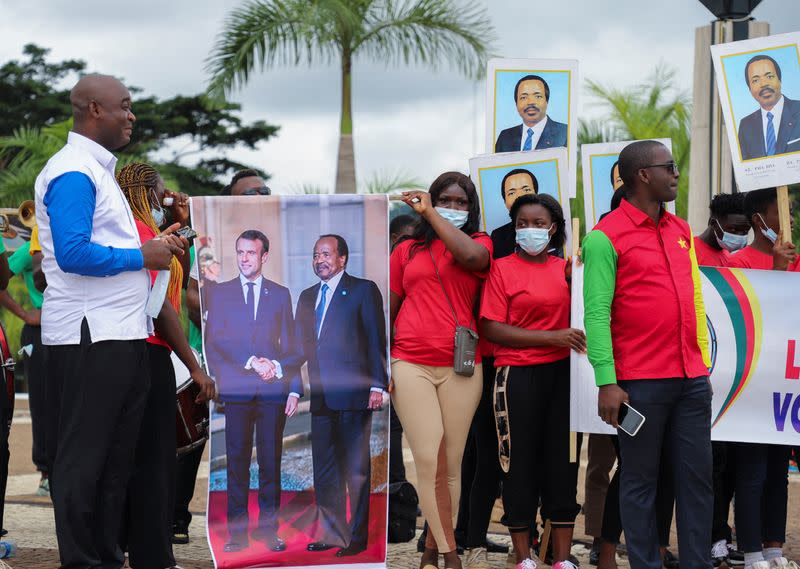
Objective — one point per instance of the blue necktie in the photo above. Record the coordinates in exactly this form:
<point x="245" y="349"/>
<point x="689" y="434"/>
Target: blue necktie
<point x="770" y="135"/>
<point x="248" y="298"/>
<point x="319" y="312"/>
<point x="527" y="145"/>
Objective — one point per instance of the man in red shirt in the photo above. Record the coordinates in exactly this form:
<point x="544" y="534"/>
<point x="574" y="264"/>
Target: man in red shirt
<point x="726" y="233"/>
<point x="646" y="329"/>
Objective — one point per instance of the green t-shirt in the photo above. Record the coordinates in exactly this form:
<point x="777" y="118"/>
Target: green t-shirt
<point x="21" y="262"/>
<point x="195" y="337"/>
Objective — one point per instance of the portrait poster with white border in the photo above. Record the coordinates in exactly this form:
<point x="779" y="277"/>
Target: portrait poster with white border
<point x="534" y="99"/>
<point x="759" y="91"/>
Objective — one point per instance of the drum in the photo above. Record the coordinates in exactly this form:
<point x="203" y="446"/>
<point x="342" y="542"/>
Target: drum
<point x="7" y="364"/>
<point x="191" y="419"/>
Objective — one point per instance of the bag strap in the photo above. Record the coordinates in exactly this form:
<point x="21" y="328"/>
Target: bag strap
<point x="441" y="284"/>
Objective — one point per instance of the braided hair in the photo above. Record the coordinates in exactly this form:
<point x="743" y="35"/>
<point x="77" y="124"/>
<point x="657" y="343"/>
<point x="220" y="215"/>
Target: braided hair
<point x="138" y="182"/>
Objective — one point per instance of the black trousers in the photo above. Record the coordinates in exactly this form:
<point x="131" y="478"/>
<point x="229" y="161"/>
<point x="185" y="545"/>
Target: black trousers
<point x="185" y="479"/>
<point x="96" y="395"/>
<point x="665" y="503"/>
<point x="397" y="469"/>
<point x="268" y="419"/>
<point x="340" y="450"/>
<point x="480" y="469"/>
<point x="151" y="491"/>
<point x="538" y="411"/>
<point x="5" y="455"/>
<point x="35" y="373"/>
<point x="724" y="484"/>
<point x="678" y="415"/>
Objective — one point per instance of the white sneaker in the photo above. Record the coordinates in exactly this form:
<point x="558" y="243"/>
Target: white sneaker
<point x="566" y="564"/>
<point x="782" y="563"/>
<point x="719" y="552"/>
<point x="476" y="558"/>
<point x="759" y="565"/>
<point x="526" y="564"/>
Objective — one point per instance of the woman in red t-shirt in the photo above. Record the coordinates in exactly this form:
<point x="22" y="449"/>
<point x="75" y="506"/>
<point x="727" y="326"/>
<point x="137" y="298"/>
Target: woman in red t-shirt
<point x="435" y="405"/>
<point x="152" y="485"/>
<point x="525" y="312"/>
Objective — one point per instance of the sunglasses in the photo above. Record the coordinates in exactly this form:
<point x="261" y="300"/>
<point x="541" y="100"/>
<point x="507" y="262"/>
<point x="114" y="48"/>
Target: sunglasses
<point x="669" y="165"/>
<point x="260" y="191"/>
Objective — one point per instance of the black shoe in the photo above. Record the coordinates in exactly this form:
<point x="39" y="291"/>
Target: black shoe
<point x="180" y="534"/>
<point x="350" y="550"/>
<point x="235" y="545"/>
<point x="670" y="561"/>
<point x="421" y="542"/>
<point x="594" y="553"/>
<point x="495" y="547"/>
<point x="319" y="546"/>
<point x="275" y="543"/>
<point x="735" y="557"/>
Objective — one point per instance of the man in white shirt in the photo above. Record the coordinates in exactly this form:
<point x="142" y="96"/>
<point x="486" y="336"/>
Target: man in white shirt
<point x="248" y="342"/>
<point x="341" y="332"/>
<point x="774" y="128"/>
<point x="93" y="324"/>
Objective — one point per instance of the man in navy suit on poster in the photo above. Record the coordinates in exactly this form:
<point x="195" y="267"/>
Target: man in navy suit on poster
<point x="248" y="342"/>
<point x="341" y="328"/>
<point x="775" y="127"/>
<point x="537" y="131"/>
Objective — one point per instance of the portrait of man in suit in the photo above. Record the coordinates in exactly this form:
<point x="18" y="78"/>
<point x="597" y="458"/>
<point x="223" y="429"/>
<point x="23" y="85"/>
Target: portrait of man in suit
<point x="516" y="183"/>
<point x="774" y="128"/>
<point x="341" y="330"/>
<point x="537" y="131"/>
<point x="249" y="336"/>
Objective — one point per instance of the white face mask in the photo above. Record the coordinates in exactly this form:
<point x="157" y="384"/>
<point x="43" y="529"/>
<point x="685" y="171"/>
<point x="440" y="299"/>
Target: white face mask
<point x="731" y="242"/>
<point x="533" y="240"/>
<point x="456" y="217"/>
<point x="768" y="232"/>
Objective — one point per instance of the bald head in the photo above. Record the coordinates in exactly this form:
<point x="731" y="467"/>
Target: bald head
<point x="101" y="108"/>
<point x="647" y="167"/>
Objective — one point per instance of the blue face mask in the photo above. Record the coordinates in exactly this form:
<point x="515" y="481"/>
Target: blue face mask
<point x="730" y="241"/>
<point x="533" y="240"/>
<point x="768" y="232"/>
<point x="158" y="216"/>
<point x="456" y="217"/>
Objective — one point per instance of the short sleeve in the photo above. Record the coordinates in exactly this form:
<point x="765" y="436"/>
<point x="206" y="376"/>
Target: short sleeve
<point x="397" y="264"/>
<point x="494" y="301"/>
<point x="21" y="260"/>
<point x="486" y="241"/>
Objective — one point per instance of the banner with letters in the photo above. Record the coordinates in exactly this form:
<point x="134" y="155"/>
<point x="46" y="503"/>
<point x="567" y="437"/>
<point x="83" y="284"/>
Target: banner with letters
<point x="755" y="374"/>
<point x="294" y="293"/>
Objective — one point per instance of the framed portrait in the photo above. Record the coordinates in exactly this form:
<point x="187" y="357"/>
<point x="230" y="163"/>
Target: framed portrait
<point x="759" y="90"/>
<point x="297" y="282"/>
<point x="532" y="104"/>
<point x="501" y="178"/>
<point x="601" y="177"/>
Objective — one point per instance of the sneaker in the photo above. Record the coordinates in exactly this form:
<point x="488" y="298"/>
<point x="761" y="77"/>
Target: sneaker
<point x="719" y="553"/>
<point x="735" y="557"/>
<point x="759" y="565"/>
<point x="782" y="563"/>
<point x="477" y="559"/>
<point x="44" y="487"/>
<point x="594" y="553"/>
<point x="564" y="565"/>
<point x="180" y="534"/>
<point x="526" y="564"/>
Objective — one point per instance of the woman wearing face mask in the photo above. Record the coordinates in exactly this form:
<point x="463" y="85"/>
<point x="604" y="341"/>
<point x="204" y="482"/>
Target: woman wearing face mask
<point x="148" y="519"/>
<point x="525" y="313"/>
<point x="435" y="279"/>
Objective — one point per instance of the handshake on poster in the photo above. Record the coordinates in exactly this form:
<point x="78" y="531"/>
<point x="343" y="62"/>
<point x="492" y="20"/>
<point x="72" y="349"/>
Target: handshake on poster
<point x="266" y="369"/>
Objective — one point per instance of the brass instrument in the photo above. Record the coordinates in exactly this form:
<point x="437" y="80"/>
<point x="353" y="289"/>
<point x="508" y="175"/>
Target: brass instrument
<point x="26" y="213"/>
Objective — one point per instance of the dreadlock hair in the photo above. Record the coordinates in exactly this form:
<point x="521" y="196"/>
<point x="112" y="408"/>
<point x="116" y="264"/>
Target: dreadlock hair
<point x="138" y="182"/>
<point x="424" y="233"/>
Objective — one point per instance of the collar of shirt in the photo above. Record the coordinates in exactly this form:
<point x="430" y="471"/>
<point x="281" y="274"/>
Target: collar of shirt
<point x="332" y="283"/>
<point x="538" y="129"/>
<point x="639" y="217"/>
<point x="776" y="111"/>
<point x="103" y="156"/>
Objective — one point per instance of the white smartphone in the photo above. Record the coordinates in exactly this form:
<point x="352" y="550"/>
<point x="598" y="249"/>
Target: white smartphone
<point x="629" y="419"/>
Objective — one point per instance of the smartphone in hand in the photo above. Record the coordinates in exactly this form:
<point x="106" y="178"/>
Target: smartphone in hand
<point x="630" y="420"/>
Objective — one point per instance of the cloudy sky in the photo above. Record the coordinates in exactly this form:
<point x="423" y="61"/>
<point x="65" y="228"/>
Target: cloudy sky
<point x="408" y="120"/>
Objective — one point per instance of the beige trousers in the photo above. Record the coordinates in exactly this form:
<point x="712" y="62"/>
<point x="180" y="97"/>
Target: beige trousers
<point x="436" y="407"/>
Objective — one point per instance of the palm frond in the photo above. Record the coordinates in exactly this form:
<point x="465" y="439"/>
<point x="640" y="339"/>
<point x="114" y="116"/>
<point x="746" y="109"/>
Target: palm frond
<point x="389" y="182"/>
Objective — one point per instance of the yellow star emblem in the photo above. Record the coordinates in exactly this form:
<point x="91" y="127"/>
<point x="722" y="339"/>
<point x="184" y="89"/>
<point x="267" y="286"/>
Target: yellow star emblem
<point x="682" y="243"/>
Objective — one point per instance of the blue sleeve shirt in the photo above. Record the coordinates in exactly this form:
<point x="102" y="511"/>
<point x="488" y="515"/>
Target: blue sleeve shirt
<point x="70" y="201"/>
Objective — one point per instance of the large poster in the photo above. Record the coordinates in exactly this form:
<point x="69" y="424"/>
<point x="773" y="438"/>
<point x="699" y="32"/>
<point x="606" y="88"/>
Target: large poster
<point x="759" y="90"/>
<point x="600" y="165"/>
<point x="501" y="178"/>
<point x="755" y="370"/>
<point x="294" y="293"/>
<point x="532" y="104"/>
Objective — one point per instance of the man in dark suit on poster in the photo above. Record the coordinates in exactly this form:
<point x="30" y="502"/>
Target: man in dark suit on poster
<point x="249" y="333"/>
<point x="537" y="131"/>
<point x="341" y="328"/>
<point x="775" y="127"/>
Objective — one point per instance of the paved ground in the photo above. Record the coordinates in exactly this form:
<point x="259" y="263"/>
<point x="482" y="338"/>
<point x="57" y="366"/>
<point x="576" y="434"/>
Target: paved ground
<point x="29" y="518"/>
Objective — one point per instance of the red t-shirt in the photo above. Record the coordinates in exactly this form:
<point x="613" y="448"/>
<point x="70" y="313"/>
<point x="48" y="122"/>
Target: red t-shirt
<point x="752" y="258"/>
<point x="146" y="234"/>
<point x="424" y="326"/>
<point x="708" y="256"/>
<point x="533" y="296"/>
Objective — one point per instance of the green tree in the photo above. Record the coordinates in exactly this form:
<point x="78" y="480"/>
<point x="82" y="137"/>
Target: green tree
<point x="655" y="109"/>
<point x="264" y="33"/>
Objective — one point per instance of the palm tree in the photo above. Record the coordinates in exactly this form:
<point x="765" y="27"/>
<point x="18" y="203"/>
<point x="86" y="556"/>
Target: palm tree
<point x="266" y="33"/>
<point x="655" y="109"/>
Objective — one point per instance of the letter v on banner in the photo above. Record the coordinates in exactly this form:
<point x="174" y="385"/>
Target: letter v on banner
<point x="792" y="370"/>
